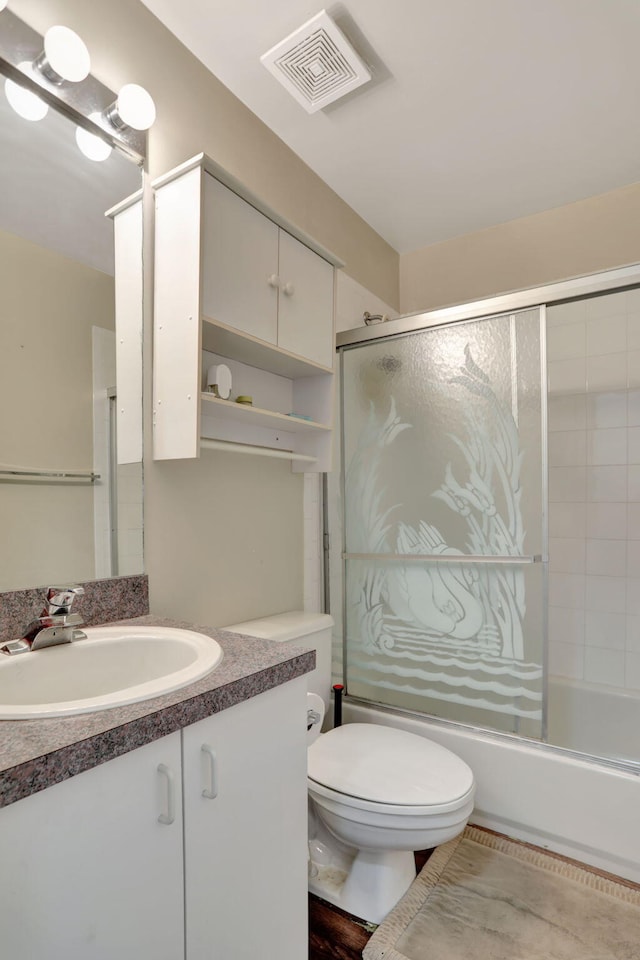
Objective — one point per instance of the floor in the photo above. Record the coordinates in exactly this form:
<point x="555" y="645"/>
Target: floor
<point x="336" y="935"/>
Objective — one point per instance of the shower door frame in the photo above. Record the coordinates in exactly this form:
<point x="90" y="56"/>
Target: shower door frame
<point x="607" y="281"/>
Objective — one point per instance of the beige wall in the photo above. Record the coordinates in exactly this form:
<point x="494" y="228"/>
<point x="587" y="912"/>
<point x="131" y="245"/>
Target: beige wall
<point x="580" y="238"/>
<point x="223" y="535"/>
<point x="49" y="305"/>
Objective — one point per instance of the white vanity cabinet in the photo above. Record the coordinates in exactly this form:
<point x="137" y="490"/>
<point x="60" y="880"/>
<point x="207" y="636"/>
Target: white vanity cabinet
<point x="89" y="871"/>
<point x="245" y="815"/>
<point x="234" y="283"/>
<point x="110" y="864"/>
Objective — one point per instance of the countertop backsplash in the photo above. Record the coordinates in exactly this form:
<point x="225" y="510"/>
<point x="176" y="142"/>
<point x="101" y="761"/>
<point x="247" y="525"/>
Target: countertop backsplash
<point x="116" y="598"/>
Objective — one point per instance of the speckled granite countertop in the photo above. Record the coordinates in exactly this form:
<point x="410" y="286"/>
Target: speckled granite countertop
<point x="35" y="754"/>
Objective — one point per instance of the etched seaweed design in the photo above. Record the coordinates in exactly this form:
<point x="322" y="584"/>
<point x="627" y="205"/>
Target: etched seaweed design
<point x="368" y="525"/>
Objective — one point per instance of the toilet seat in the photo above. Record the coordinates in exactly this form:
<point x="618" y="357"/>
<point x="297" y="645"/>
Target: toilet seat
<point x="373" y="767"/>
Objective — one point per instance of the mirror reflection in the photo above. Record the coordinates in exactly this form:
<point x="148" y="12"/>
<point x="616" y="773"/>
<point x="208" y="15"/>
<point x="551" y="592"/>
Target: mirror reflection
<point x="68" y="510"/>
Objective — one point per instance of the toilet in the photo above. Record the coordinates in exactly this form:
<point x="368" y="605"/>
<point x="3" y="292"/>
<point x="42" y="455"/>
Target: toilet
<point x="376" y="793"/>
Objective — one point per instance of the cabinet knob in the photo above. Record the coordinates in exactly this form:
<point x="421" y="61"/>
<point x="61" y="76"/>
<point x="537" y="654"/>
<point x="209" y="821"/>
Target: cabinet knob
<point x="288" y="289"/>
<point x="273" y="280"/>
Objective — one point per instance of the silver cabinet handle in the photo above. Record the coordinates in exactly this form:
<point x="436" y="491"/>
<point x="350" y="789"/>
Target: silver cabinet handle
<point x="211" y="791"/>
<point x="168" y="817"/>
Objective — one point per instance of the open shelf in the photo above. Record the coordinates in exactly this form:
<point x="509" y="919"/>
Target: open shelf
<point x="221" y="339"/>
<point x="256" y="416"/>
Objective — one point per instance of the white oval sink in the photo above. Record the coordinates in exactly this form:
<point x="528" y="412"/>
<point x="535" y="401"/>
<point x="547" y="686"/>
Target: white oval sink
<point x="112" y="667"/>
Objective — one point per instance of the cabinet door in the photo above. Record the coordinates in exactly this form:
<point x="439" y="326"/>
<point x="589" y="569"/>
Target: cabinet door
<point x="240" y="263"/>
<point x="305" y="319"/>
<point x="88" y="872"/>
<point x="245" y="800"/>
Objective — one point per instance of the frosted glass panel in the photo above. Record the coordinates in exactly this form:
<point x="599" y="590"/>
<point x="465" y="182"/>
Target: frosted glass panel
<point x="442" y="438"/>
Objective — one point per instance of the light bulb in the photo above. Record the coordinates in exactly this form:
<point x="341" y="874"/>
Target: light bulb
<point x="134" y="107"/>
<point x="66" y="54"/>
<point x="93" y="147"/>
<point x="26" y="104"/>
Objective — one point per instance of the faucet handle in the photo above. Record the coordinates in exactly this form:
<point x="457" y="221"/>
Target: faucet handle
<point x="60" y="599"/>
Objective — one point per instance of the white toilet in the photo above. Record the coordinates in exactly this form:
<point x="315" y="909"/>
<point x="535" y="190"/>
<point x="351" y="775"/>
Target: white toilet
<point x="377" y="793"/>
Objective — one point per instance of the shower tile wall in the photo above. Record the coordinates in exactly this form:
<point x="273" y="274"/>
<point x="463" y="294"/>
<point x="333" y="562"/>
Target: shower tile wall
<point x="593" y="349"/>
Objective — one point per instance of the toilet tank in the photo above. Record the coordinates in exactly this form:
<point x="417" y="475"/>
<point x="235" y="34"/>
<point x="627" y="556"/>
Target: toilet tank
<point x="298" y="629"/>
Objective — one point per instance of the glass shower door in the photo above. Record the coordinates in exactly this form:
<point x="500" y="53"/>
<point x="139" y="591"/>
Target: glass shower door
<point x="444" y="523"/>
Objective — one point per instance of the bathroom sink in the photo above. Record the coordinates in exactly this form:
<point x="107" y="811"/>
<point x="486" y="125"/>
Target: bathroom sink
<point x="113" y="666"/>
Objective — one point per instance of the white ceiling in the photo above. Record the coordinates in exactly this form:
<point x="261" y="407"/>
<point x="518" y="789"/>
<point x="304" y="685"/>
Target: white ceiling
<point x="480" y="111"/>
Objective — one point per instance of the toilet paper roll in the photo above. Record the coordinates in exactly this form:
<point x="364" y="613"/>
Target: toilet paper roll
<point x="315" y="716"/>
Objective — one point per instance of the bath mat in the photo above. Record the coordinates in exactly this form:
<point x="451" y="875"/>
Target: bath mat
<point x="483" y="897"/>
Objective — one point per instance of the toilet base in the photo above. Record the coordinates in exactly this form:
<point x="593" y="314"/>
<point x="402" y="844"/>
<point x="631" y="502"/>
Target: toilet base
<point x="364" y="883"/>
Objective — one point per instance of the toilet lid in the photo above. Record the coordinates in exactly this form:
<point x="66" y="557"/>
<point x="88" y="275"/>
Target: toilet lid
<point x="386" y="765"/>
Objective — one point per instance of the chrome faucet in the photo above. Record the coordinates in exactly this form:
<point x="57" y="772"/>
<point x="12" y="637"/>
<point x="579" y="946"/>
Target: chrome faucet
<point x="56" y="624"/>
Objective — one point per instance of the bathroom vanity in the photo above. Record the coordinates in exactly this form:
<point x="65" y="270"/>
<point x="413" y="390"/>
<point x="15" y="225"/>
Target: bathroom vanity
<point x="164" y="829"/>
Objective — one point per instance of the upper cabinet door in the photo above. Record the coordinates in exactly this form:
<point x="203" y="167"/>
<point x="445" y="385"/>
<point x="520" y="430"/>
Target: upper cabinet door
<point x="240" y="265"/>
<point x="305" y="321"/>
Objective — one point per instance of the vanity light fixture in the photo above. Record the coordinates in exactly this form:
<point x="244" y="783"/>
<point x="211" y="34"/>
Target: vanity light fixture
<point x="134" y="107"/>
<point x="65" y="57"/>
<point x="26" y="104"/>
<point x="93" y="147"/>
<point x="54" y="71"/>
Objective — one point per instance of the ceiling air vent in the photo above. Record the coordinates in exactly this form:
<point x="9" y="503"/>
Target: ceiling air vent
<point x="316" y="64"/>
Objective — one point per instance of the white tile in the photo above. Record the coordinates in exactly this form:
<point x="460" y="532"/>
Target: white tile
<point x="568" y="484"/>
<point x="607" y="336"/>
<point x="633" y="558"/>
<point x="632" y="671"/>
<point x="570" y="376"/>
<point x="633" y="521"/>
<point x="633" y="331"/>
<point x="606" y="305"/>
<point x="633" y="597"/>
<point x="607" y="446"/>
<point x="605" y="594"/>
<point x="607" y="409"/>
<point x="566" y="660"/>
<point x="569" y="413"/>
<point x="632" y="300"/>
<point x="605" y="372"/>
<point x="633" y="369"/>
<point x="567" y="555"/>
<point x="633" y="408"/>
<point x="607" y="558"/>
<point x="606" y="484"/>
<point x="633" y="445"/>
<point x="567" y="312"/>
<point x="633" y="634"/>
<point x="566" y="341"/>
<point x="568" y="448"/>
<point x="604" y="666"/>
<point x="606" y="521"/>
<point x="566" y="625"/>
<point x="567" y="590"/>
<point x="568" y="520"/>
<point x="603" y="629"/>
<point x="633" y="480"/>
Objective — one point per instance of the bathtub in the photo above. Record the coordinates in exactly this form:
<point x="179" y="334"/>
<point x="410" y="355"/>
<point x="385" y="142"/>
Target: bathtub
<point x="595" y="719"/>
<point x="545" y="795"/>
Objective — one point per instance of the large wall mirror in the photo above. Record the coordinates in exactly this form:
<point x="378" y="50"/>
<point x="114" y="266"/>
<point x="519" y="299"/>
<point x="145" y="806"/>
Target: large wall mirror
<point x="69" y="510"/>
